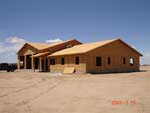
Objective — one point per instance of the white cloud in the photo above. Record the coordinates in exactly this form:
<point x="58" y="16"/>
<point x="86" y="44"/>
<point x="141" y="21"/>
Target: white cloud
<point x="53" y="40"/>
<point x="9" y="48"/>
<point x="15" y="40"/>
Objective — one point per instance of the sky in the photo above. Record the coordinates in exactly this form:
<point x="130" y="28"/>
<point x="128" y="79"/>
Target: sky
<point x="85" y="20"/>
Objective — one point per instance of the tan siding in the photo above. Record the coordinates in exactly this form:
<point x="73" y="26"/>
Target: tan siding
<point x="116" y="51"/>
<point x="69" y="62"/>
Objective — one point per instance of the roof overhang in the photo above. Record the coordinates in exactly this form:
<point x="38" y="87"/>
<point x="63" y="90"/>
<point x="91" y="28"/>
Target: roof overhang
<point x="41" y="54"/>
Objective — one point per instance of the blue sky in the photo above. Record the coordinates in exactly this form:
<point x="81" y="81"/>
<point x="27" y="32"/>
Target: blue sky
<point x="85" y="20"/>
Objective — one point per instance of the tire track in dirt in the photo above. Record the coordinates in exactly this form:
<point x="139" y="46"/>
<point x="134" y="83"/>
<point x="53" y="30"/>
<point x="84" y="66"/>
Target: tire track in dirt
<point x="25" y="104"/>
<point x="18" y="101"/>
<point x="22" y="89"/>
<point x="29" y="100"/>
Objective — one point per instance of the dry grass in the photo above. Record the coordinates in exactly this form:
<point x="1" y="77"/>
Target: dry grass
<point x="28" y="92"/>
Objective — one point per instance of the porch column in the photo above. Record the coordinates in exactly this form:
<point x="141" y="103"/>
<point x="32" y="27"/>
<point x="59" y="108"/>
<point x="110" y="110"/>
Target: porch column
<point x="44" y="64"/>
<point x="32" y="62"/>
<point x="25" y="62"/>
<point x="40" y="64"/>
<point x="18" y="65"/>
<point x="48" y="64"/>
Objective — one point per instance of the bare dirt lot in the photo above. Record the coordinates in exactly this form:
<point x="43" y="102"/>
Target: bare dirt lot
<point x="33" y="92"/>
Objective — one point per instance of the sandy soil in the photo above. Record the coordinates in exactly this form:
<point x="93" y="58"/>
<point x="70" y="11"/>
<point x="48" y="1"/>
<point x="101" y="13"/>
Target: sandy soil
<point x="32" y="92"/>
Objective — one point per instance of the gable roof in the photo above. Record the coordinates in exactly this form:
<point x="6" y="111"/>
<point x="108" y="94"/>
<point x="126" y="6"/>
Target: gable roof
<point x="42" y="46"/>
<point x="84" y="48"/>
<point x="38" y="46"/>
<point x="62" y="42"/>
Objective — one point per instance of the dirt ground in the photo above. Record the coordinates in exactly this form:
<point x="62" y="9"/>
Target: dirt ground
<point x="33" y="92"/>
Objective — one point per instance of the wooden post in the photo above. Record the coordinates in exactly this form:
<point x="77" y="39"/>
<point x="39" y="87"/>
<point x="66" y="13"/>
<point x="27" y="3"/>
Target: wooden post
<point x="40" y="64"/>
<point x="32" y="62"/>
<point x="18" y="66"/>
<point x="48" y="64"/>
<point x="25" y="62"/>
<point x="44" y="64"/>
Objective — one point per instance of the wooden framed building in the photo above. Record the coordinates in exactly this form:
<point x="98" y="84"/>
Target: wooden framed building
<point x="34" y="55"/>
<point x="106" y="56"/>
